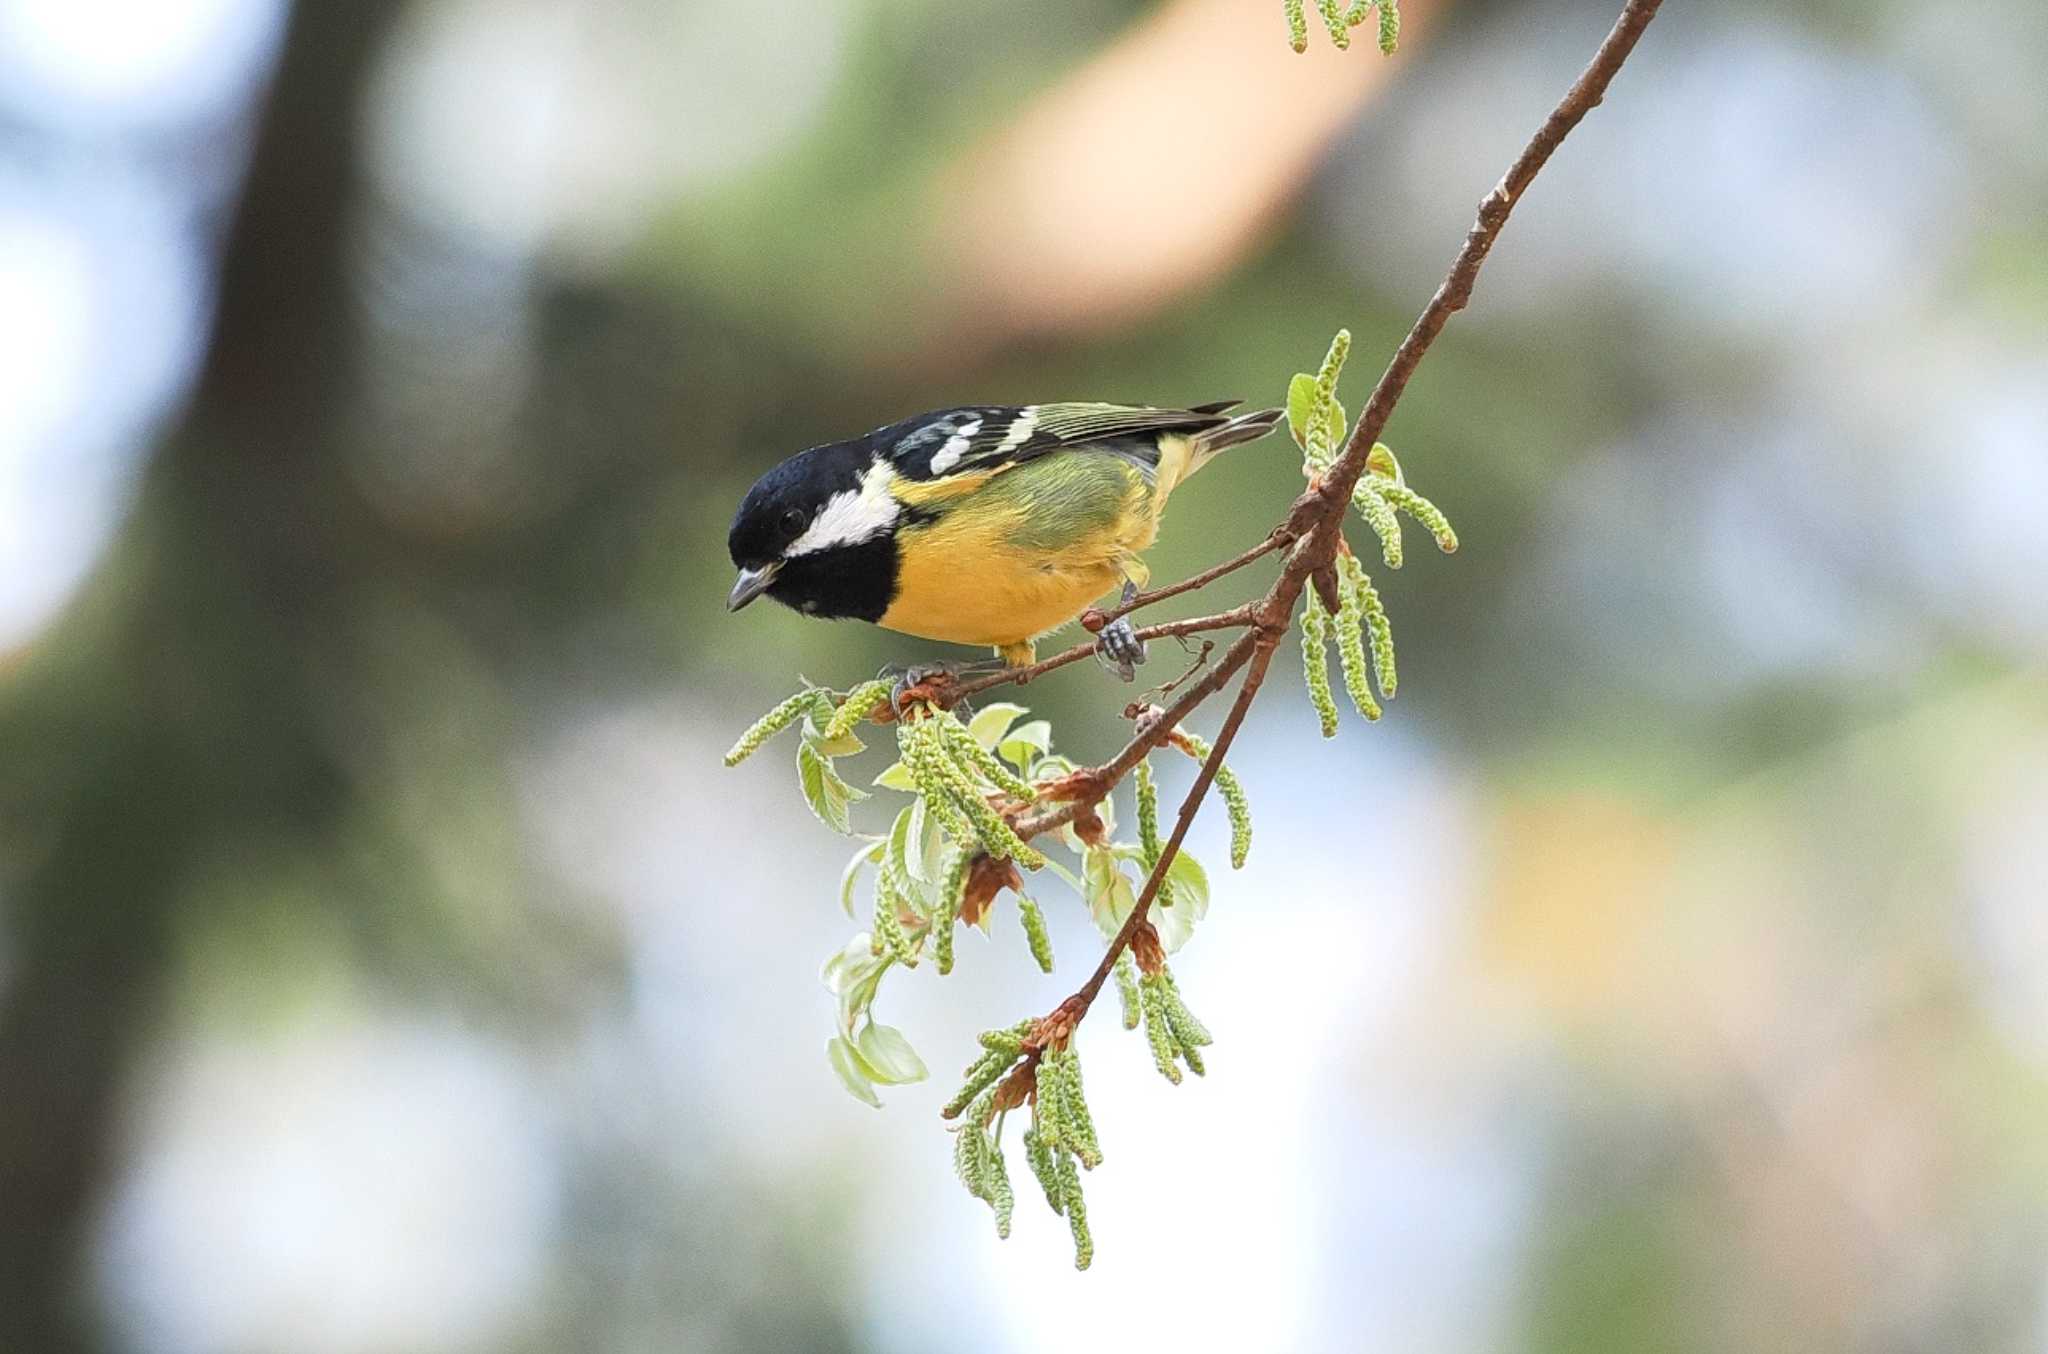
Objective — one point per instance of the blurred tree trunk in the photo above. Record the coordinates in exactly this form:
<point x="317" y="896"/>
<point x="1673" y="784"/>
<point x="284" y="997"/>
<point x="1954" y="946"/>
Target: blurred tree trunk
<point x="171" y="713"/>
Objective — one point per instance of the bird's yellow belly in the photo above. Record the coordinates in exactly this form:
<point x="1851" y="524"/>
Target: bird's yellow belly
<point x="1022" y="552"/>
<point x="1005" y="601"/>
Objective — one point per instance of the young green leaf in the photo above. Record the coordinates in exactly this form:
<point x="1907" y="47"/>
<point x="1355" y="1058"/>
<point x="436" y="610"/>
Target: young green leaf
<point x="850" y="877"/>
<point x="889" y="1056"/>
<point x="1110" y="895"/>
<point x="846" y="1063"/>
<point x="897" y="777"/>
<point x="828" y="795"/>
<point x="1301" y="407"/>
<point x="1190" y="884"/>
<point x="993" y="721"/>
<point x="1023" y="745"/>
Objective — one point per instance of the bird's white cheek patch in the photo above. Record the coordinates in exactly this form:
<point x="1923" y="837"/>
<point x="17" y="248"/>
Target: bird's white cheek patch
<point x="850" y="516"/>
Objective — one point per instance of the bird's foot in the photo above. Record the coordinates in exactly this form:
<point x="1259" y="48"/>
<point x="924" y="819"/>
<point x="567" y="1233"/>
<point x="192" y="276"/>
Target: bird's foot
<point x="1118" y="641"/>
<point x="931" y="682"/>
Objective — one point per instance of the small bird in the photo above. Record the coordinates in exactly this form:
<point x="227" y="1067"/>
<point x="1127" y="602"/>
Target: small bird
<point x="979" y="525"/>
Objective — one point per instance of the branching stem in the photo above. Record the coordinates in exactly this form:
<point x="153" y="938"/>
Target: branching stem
<point x="1094" y="619"/>
<point x="1194" y="625"/>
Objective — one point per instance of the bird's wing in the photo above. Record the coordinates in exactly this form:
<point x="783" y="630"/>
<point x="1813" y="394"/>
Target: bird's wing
<point x="982" y="441"/>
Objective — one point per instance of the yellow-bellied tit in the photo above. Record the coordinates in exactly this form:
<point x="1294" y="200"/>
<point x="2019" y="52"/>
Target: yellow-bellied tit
<point x="978" y="525"/>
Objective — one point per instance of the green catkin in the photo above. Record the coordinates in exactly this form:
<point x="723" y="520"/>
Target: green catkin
<point x="947" y="913"/>
<point x="1377" y="626"/>
<point x="1045" y="1168"/>
<point x="1351" y="638"/>
<point x="1127" y="989"/>
<point x="1034" y="933"/>
<point x="1239" y="808"/>
<point x="1325" y="427"/>
<point x="767" y="726"/>
<point x="1009" y="1042"/>
<point x="981" y="1074"/>
<point x="1077" y="1213"/>
<point x="1189" y="1034"/>
<point x="1423" y="511"/>
<point x="998" y="838"/>
<point x="1165" y="1052"/>
<point x="1379" y="515"/>
<point x="1356" y="15"/>
<point x="1186" y="1028"/>
<point x="1148" y="830"/>
<point x="858" y="705"/>
<point x="1297" y="25"/>
<point x="1235" y="801"/>
<point x="959" y="803"/>
<point x="1148" y="811"/>
<point x="1315" y="634"/>
<point x="917" y="753"/>
<point x="1052" y="1106"/>
<point x="1059" y="1088"/>
<point x="968" y="752"/>
<point x="1333" y="366"/>
<point x="890" y="892"/>
<point x="1081" y="1139"/>
<point x="966" y="1150"/>
<point x="1333" y="19"/>
<point x="888" y="928"/>
<point x="978" y="1161"/>
<point x="1390" y="26"/>
<point x="1000" y="1196"/>
<point x="995" y="835"/>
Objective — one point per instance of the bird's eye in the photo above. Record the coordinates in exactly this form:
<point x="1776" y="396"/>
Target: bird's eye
<point x="793" y="520"/>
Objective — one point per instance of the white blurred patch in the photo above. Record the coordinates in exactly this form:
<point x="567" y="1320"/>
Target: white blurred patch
<point x="341" y="1187"/>
<point x="1765" y="180"/>
<point x="2005" y="865"/>
<point x="109" y="63"/>
<point x="1973" y="502"/>
<point x="99" y="318"/>
<point x="531" y="123"/>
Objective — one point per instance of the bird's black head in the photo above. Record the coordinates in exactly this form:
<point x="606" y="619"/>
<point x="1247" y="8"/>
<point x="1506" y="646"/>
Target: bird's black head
<point x="818" y="533"/>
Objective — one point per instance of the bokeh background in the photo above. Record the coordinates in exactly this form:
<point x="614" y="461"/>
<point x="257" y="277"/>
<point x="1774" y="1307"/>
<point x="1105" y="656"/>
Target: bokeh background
<point x="388" y="965"/>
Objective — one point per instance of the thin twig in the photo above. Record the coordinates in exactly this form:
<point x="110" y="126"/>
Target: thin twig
<point x="1093" y="619"/>
<point x="1194" y="625"/>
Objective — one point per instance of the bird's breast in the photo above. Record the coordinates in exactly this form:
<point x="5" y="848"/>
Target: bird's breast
<point x="1023" y="556"/>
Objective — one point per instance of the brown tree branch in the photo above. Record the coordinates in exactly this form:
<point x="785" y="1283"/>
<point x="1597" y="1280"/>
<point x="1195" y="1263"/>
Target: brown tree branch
<point x="1314" y="524"/>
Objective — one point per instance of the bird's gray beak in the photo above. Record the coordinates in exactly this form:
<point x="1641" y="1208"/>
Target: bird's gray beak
<point x="751" y="584"/>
